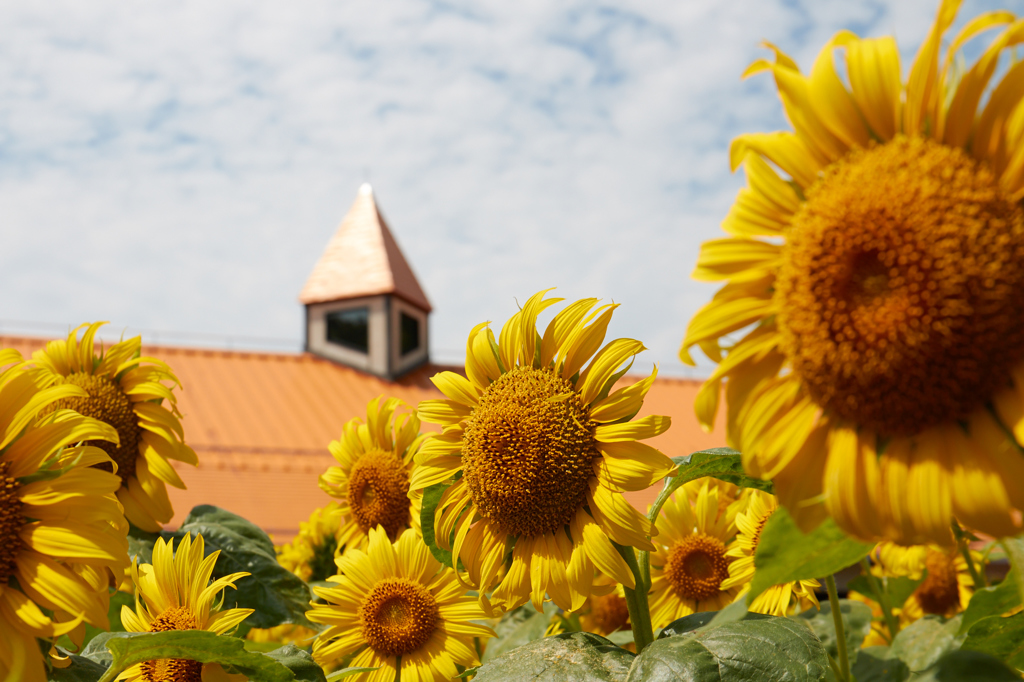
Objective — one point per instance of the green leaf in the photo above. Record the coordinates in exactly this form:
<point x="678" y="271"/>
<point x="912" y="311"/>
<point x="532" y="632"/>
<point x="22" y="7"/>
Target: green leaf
<point x="621" y="638"/>
<point x="721" y="463"/>
<point x="759" y="650"/>
<point x="79" y="669"/>
<point x="704" y="619"/>
<point x="967" y="666"/>
<point x="733" y="613"/>
<point x="96" y="650"/>
<point x="923" y="642"/>
<point x="569" y="657"/>
<point x="195" y="645"/>
<point x="991" y="601"/>
<point x="299" y="662"/>
<point x="874" y="665"/>
<point x="1001" y="637"/>
<point x="140" y="544"/>
<point x="277" y="595"/>
<point x="856" y="625"/>
<point x="347" y="672"/>
<point x="431" y="498"/>
<point x="516" y="628"/>
<point x="1014" y="548"/>
<point x="785" y="554"/>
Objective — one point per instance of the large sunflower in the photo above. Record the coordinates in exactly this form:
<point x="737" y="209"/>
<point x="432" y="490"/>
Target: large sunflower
<point x="372" y="481"/>
<point x="690" y="568"/>
<point x="540" y="452"/>
<point x="779" y="600"/>
<point x="62" y="531"/>
<point x="128" y="392"/>
<point x="175" y="593"/>
<point x="395" y="606"/>
<point x="879" y="287"/>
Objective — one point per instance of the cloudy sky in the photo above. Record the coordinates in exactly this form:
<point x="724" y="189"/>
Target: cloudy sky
<point x="180" y="166"/>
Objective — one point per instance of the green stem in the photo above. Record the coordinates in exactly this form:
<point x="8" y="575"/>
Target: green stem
<point x="978" y="578"/>
<point x="837" y="618"/>
<point x="636" y="601"/>
<point x="964" y="543"/>
<point x="883" y="599"/>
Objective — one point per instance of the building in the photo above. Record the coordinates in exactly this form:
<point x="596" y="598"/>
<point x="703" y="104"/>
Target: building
<point x="261" y="422"/>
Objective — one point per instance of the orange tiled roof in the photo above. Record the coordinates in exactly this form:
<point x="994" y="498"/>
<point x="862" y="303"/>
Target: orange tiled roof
<point x="261" y="422"/>
<point x="363" y="259"/>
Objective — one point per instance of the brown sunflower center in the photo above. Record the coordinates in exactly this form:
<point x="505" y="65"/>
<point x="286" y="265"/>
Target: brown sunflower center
<point x="11" y="522"/>
<point x="609" y="613"/>
<point x="108" y="403"/>
<point x="697" y="566"/>
<point x="378" y="492"/>
<point x="939" y="592"/>
<point x="398" y="616"/>
<point x="173" y="669"/>
<point x="528" y="452"/>
<point x="901" y="290"/>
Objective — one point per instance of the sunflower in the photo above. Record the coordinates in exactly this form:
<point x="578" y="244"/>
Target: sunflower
<point x="878" y="286"/>
<point x="540" y="453"/>
<point x="778" y="600"/>
<point x="175" y="593"/>
<point x="604" y="614"/>
<point x="690" y="566"/>
<point x="372" y="483"/>
<point x="396" y="607"/>
<point x="947" y="585"/>
<point x="311" y="554"/>
<point x="62" y="531"/>
<point x="945" y="591"/>
<point x="126" y="391"/>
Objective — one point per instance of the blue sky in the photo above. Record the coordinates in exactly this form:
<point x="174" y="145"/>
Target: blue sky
<point x="181" y="166"/>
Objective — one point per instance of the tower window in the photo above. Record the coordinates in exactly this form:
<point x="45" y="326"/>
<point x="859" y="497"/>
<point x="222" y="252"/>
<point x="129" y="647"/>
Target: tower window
<point x="350" y="328"/>
<point x="410" y="337"/>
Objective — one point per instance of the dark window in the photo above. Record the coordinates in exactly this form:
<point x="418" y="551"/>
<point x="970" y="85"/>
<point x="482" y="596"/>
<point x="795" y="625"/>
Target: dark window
<point x="410" y="333"/>
<point x="350" y="328"/>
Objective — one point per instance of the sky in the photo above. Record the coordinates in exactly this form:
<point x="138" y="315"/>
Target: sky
<point x="179" y="167"/>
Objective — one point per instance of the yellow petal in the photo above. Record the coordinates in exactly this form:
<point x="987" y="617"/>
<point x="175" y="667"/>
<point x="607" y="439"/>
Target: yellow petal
<point x="722" y="258"/>
<point x="717" y="319"/>
<point x="481" y="364"/>
<point x="456" y="387"/>
<point x="630" y="466"/>
<point x="625" y="402"/>
<point x="785" y="150"/>
<point x="605" y="365"/>
<point x="852" y="483"/>
<point x="639" y="429"/>
<point x="832" y="102"/>
<point x="56" y="587"/>
<point x="922" y="84"/>
<point x="873" y="66"/>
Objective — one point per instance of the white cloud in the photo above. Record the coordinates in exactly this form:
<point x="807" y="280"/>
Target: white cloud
<point x="181" y="166"/>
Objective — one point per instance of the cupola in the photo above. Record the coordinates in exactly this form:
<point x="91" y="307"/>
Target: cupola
<point x="364" y="306"/>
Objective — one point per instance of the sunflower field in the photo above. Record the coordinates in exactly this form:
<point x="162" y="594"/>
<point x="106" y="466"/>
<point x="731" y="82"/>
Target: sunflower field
<point x="868" y="351"/>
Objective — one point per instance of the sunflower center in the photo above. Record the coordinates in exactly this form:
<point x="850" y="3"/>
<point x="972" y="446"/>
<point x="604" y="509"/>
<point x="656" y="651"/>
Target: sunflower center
<point x="108" y="403"/>
<point x="11" y="522"/>
<point x="398" y="616"/>
<point x="939" y="592"/>
<point x="378" y="492"/>
<point x="528" y="452"/>
<point x="609" y="613"/>
<point x="173" y="669"/>
<point x="697" y="566"/>
<point x="901" y="287"/>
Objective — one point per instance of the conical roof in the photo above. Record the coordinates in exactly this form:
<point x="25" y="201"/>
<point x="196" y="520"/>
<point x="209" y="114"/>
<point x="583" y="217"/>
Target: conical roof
<point x="363" y="259"/>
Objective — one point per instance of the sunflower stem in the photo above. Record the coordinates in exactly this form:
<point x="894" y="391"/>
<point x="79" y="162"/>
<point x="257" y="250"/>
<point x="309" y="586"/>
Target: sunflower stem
<point x="964" y="544"/>
<point x="636" y="601"/>
<point x="837" y="619"/>
<point x="883" y="599"/>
